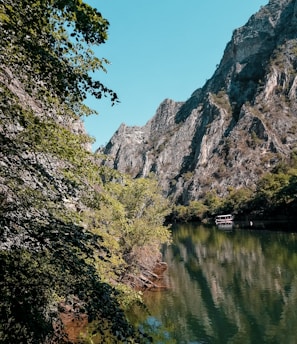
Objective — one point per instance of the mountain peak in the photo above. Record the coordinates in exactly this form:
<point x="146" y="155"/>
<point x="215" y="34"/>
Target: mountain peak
<point x="235" y="128"/>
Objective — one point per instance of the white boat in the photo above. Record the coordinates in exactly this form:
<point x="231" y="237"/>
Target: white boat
<point x="224" y="219"/>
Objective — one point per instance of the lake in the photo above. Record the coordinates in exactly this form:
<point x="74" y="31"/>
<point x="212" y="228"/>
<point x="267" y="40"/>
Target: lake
<point x="226" y="286"/>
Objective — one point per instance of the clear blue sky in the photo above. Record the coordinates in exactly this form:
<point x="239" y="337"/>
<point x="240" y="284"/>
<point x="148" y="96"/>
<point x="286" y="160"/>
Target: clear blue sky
<point x="160" y="49"/>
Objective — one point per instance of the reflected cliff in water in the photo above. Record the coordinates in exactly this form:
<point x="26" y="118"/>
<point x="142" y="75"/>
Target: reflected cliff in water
<point x="234" y="286"/>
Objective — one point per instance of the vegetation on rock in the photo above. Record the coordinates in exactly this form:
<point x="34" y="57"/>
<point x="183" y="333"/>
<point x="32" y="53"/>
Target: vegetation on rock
<point x="274" y="194"/>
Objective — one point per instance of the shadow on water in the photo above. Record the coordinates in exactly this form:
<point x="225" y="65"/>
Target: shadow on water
<point x="227" y="285"/>
<point x="268" y="224"/>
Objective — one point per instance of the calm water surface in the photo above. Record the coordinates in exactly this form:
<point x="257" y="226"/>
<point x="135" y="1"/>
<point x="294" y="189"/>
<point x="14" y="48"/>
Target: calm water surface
<point x="227" y="286"/>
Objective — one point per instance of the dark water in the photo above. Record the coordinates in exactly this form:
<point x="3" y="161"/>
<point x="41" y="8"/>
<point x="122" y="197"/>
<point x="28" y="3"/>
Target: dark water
<point x="227" y="286"/>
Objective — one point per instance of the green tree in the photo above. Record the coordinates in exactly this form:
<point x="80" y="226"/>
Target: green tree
<point x="48" y="45"/>
<point x="61" y="220"/>
<point x="287" y="194"/>
<point x="270" y="186"/>
<point x="133" y="211"/>
<point x="213" y="203"/>
<point x="237" y="200"/>
<point x="196" y="210"/>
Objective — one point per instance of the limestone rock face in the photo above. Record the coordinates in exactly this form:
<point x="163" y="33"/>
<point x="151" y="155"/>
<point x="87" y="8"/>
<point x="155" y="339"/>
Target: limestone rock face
<point x="234" y="129"/>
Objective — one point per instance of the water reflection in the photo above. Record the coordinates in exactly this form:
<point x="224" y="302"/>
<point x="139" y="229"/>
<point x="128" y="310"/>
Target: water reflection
<point x="228" y="287"/>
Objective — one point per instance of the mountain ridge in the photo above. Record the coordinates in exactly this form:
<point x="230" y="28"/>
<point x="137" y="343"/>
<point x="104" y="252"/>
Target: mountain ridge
<point x="234" y="129"/>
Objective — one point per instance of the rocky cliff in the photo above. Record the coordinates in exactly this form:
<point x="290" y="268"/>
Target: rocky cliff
<point x="235" y="128"/>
